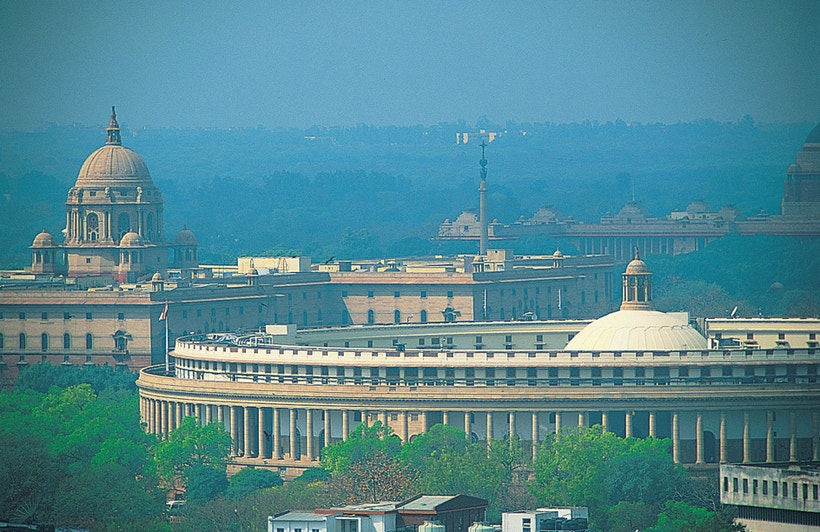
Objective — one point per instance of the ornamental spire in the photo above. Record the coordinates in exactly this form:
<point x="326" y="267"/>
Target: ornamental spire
<point x="113" y="130"/>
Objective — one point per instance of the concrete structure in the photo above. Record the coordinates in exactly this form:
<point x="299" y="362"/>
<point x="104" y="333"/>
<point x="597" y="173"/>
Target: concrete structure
<point x="282" y="403"/>
<point x="545" y="520"/>
<point x="679" y="232"/>
<point x="773" y="497"/>
<point x="304" y="522"/>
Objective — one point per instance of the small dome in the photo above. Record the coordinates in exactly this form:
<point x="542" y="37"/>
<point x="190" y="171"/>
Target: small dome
<point x="185" y="237"/>
<point x="156" y="277"/>
<point x="638" y="330"/>
<point x="131" y="240"/>
<point x="44" y="240"/>
<point x="794" y="169"/>
<point x="636" y="265"/>
<point x="557" y="254"/>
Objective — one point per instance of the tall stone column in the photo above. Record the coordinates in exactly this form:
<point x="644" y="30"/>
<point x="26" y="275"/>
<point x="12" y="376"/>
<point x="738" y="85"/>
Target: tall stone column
<point x="276" y="442"/>
<point x="653" y="424"/>
<point x="747" y="439"/>
<point x="769" y="436"/>
<point x="198" y="414"/>
<point x="467" y="426"/>
<point x="247" y="432"/>
<point x="582" y="419"/>
<point x="489" y="427"/>
<point x="675" y="438"/>
<point x="384" y="418"/>
<point x="364" y="417"/>
<point x="405" y="432"/>
<point x="724" y="443"/>
<point x="234" y="430"/>
<point x="292" y="432"/>
<point x="512" y="427"/>
<point x="209" y="414"/>
<point x="260" y="433"/>
<point x="534" y="433"/>
<point x="558" y="423"/>
<point x="345" y="424"/>
<point x="445" y="417"/>
<point x="425" y="423"/>
<point x="792" y="436"/>
<point x="179" y="414"/>
<point x="309" y="433"/>
<point x="220" y="415"/>
<point x="699" y="439"/>
<point x="605" y="421"/>
<point x="628" y="424"/>
<point x="164" y="418"/>
<point x="326" y="441"/>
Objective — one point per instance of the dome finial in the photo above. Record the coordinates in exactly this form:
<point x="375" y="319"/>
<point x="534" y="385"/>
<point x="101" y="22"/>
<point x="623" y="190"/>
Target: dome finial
<point x="113" y="130"/>
<point x="637" y="254"/>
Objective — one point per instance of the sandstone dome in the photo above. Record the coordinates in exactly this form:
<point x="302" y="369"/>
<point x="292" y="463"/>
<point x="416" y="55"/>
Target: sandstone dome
<point x="44" y="240"/>
<point x="131" y="240"/>
<point x="185" y="237"/>
<point x="638" y="330"/>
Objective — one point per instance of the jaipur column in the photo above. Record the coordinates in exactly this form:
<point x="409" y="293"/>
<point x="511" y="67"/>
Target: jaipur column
<point x="405" y="432"/>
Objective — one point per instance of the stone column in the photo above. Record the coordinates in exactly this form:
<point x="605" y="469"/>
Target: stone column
<point x="699" y="439"/>
<point x="558" y="423"/>
<point x="653" y="425"/>
<point x="512" y="427"/>
<point x="219" y="416"/>
<point x="747" y="439"/>
<point x="309" y="433"/>
<point x="405" y="431"/>
<point x="326" y="441"/>
<point x="675" y="438"/>
<point x="628" y="424"/>
<point x="234" y="430"/>
<point x="292" y="439"/>
<point x="815" y="436"/>
<point x="534" y="433"/>
<point x="792" y="436"/>
<point x="164" y="418"/>
<point x="248" y="440"/>
<point x="467" y="427"/>
<point x="345" y="424"/>
<point x="425" y="425"/>
<point x="769" y="436"/>
<point x="489" y="427"/>
<point x="724" y="443"/>
<point x="582" y="419"/>
<point x="605" y="421"/>
<point x="179" y="415"/>
<point x="364" y="417"/>
<point x="209" y="414"/>
<point x="384" y="418"/>
<point x="445" y="417"/>
<point x="276" y="439"/>
<point x="260" y="432"/>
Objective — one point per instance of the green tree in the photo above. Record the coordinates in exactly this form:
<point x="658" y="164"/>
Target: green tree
<point x="204" y="483"/>
<point x="250" y="479"/>
<point x="365" y="441"/>
<point x="191" y="446"/>
<point x="680" y="516"/>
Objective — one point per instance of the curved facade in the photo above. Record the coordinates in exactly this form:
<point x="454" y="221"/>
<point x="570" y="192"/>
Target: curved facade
<point x="282" y="403"/>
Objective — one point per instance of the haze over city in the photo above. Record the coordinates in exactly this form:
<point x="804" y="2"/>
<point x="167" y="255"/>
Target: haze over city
<point x="212" y="64"/>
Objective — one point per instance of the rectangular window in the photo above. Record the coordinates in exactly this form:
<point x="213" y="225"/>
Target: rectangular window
<point x="120" y="316"/>
<point x="370" y="293"/>
<point x="344" y="293"/>
<point x="489" y="374"/>
<point x="424" y="294"/>
<point x="44" y="316"/>
<point x="449" y="293"/>
<point x="396" y="294"/>
<point x="774" y="488"/>
<point x="89" y="316"/>
<point x="421" y="341"/>
<point x="734" y="485"/>
<point x="22" y="315"/>
<point x="765" y="487"/>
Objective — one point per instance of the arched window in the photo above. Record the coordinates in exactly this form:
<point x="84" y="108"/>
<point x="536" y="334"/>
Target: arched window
<point x="423" y="316"/>
<point x="89" y="341"/>
<point x="92" y="227"/>
<point x="123" y="225"/>
<point x="66" y="341"/>
<point x="44" y="341"/>
<point x="149" y="222"/>
<point x="371" y="317"/>
<point x="22" y="341"/>
<point x="2" y="341"/>
<point x="397" y="316"/>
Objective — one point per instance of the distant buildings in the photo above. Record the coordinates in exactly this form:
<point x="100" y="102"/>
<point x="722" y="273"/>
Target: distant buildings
<point x="679" y="232"/>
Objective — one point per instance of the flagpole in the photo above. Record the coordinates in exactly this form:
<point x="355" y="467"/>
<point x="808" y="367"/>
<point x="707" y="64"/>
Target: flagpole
<point x="167" y="361"/>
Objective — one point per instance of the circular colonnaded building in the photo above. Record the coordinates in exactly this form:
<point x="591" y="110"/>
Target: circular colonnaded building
<point x="285" y="394"/>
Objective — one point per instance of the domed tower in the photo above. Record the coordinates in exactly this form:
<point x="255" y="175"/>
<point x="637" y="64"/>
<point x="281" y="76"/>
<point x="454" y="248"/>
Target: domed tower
<point x="46" y="255"/>
<point x="801" y="191"/>
<point x="113" y="196"/>
<point x="186" y="248"/>
<point x="636" y="284"/>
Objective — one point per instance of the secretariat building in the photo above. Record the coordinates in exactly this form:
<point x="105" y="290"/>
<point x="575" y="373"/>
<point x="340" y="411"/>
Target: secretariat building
<point x="286" y="393"/>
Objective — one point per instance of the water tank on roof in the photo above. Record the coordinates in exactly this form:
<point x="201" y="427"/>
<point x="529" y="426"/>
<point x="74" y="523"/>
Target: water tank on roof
<point x="431" y="526"/>
<point x="481" y="527"/>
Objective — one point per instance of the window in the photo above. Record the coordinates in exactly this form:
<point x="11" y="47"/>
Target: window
<point x="44" y="316"/>
<point x="344" y="293"/>
<point x="449" y="293"/>
<point x="396" y="294"/>
<point x="396" y="316"/>
<point x="66" y="341"/>
<point x="750" y="336"/>
<point x="2" y="340"/>
<point x="88" y="316"/>
<point x="44" y="341"/>
<point x="89" y="341"/>
<point x="120" y="316"/>
<point x="726" y="484"/>
<point x="424" y="294"/>
<point x="774" y="488"/>
<point x="66" y="316"/>
<point x="370" y="293"/>
<point x="734" y="485"/>
<point x="765" y="487"/>
<point x="423" y="316"/>
<point x="22" y="315"/>
<point x="371" y="317"/>
<point x="22" y="341"/>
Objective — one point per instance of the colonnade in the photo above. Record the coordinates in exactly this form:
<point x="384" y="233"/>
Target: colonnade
<point x="297" y="435"/>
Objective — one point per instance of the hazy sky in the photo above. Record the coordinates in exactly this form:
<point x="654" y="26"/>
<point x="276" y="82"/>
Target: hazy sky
<point x="301" y="63"/>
